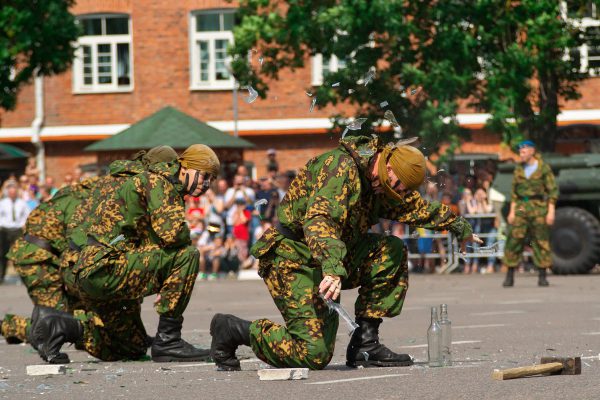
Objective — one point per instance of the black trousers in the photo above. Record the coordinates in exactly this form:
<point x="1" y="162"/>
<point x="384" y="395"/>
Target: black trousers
<point x="7" y="237"/>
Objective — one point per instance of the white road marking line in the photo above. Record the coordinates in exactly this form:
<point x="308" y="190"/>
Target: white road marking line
<point x="591" y="333"/>
<point x="591" y="357"/>
<point x="416" y="346"/>
<point x="250" y="360"/>
<point x="530" y="301"/>
<point x="363" y="378"/>
<point x="499" y="312"/>
<point x="412" y="308"/>
<point x="478" y="326"/>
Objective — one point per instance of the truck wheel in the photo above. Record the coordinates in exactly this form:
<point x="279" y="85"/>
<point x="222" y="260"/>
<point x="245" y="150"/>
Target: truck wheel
<point x="575" y="241"/>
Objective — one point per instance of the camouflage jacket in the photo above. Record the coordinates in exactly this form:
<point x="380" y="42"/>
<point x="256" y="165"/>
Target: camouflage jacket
<point x="146" y="207"/>
<point x="49" y="220"/>
<point x="331" y="206"/>
<point x="540" y="186"/>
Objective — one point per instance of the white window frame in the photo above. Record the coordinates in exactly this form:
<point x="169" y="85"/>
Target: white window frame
<point x="93" y="41"/>
<point x="583" y="23"/>
<point x="317" y="68"/>
<point x="211" y="37"/>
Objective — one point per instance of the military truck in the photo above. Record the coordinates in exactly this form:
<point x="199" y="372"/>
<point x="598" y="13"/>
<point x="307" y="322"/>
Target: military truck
<point x="575" y="235"/>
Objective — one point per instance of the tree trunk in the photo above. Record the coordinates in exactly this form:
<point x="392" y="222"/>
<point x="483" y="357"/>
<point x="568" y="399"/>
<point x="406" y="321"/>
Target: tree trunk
<point x="545" y="132"/>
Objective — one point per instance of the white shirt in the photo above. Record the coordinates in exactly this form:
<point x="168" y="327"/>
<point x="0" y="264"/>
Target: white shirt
<point x="238" y="195"/>
<point x="13" y="214"/>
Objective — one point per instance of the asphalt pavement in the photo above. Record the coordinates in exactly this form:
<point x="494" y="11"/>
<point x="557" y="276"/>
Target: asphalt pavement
<point x="493" y="328"/>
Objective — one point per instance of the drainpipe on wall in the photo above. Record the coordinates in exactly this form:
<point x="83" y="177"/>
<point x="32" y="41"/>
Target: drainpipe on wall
<point x="36" y="126"/>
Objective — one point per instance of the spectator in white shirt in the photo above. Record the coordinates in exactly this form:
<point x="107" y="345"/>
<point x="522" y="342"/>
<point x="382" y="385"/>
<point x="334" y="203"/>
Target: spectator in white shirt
<point x="239" y="191"/>
<point x="13" y="215"/>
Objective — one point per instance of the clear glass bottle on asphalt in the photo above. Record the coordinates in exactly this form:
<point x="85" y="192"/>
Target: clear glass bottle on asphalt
<point x="434" y="338"/>
<point x="446" y="342"/>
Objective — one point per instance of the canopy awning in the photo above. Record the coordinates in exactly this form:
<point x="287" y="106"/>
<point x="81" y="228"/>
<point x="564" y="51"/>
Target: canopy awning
<point x="169" y="127"/>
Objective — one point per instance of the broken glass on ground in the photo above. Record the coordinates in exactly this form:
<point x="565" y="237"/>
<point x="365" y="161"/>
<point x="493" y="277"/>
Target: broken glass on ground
<point x="252" y="94"/>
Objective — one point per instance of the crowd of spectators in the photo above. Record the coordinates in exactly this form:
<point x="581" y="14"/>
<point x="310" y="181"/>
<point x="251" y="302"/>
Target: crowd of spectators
<point x="231" y="216"/>
<point x="234" y="213"/>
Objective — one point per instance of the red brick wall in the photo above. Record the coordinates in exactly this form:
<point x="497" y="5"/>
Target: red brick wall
<point x="160" y="35"/>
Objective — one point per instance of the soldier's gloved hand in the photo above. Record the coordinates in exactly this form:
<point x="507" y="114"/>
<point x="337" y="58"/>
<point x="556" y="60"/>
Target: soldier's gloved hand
<point x="471" y="239"/>
<point x="330" y="287"/>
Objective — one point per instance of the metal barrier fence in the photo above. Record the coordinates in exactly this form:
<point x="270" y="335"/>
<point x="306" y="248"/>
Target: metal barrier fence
<point x="453" y="255"/>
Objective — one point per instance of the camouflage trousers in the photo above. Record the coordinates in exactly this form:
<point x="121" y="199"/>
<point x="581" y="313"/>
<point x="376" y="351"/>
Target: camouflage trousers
<point x="377" y="266"/>
<point x="110" y="284"/>
<point x="530" y="222"/>
<point x="40" y="274"/>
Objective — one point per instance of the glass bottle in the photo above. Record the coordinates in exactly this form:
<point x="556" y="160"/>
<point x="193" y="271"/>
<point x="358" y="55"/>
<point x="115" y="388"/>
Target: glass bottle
<point x="434" y="337"/>
<point x="446" y="336"/>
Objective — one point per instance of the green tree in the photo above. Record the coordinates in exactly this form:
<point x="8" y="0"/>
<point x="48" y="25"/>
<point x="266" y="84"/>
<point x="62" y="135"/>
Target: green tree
<point x="428" y="57"/>
<point x="525" y="68"/>
<point x="36" y="36"/>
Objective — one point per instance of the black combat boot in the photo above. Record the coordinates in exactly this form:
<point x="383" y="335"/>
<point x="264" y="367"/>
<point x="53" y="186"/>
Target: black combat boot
<point x="364" y="348"/>
<point x="510" y="278"/>
<point x="52" y="331"/>
<point x="39" y="313"/>
<point x="542" y="281"/>
<point x="228" y="332"/>
<point x="169" y="346"/>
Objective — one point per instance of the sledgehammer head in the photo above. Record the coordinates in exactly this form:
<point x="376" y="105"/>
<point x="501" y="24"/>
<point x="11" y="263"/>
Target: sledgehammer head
<point x="571" y="365"/>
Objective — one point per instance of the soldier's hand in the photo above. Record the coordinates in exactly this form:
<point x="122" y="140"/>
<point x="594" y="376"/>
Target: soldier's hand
<point x="330" y="287"/>
<point x="510" y="218"/>
<point x="471" y="239"/>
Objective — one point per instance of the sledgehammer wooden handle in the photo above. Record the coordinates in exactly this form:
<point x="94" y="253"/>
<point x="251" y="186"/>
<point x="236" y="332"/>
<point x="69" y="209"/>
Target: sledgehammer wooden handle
<point x="520" y="372"/>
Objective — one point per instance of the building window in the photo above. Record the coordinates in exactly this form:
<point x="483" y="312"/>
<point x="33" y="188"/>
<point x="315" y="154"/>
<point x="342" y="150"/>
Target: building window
<point x="103" y="60"/>
<point x="321" y="69"/>
<point x="586" y="58"/>
<point x="211" y="35"/>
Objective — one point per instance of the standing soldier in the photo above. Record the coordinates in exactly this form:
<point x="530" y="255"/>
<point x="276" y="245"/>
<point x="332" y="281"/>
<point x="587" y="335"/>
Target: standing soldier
<point x="36" y="255"/>
<point x="534" y="195"/>
<point x="135" y="243"/>
<point x="322" y="246"/>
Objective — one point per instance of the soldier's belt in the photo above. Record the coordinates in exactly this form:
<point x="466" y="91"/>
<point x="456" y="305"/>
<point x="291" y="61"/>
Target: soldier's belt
<point x="39" y="242"/>
<point x="534" y="197"/>
<point x="287" y="232"/>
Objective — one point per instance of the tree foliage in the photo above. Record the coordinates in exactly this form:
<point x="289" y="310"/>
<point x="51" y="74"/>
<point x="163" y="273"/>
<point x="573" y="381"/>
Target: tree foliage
<point x="429" y="57"/>
<point x="36" y="36"/>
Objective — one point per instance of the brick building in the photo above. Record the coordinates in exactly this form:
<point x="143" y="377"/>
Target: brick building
<point x="138" y="56"/>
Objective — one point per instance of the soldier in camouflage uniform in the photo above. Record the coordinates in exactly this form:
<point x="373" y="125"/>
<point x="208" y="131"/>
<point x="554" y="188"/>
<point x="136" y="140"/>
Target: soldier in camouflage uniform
<point x="135" y="243"/>
<point x="322" y="245"/>
<point x="532" y="202"/>
<point x="36" y="255"/>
